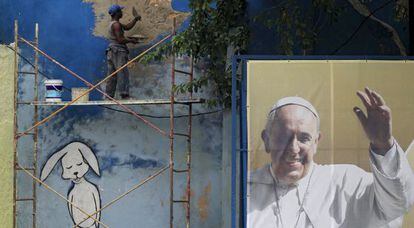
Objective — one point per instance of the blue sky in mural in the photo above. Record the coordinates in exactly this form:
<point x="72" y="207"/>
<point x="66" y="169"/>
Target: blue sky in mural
<point x="66" y="34"/>
<point x="180" y="5"/>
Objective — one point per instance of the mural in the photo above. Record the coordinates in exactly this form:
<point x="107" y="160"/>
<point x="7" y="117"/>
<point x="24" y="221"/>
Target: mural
<point x="76" y="159"/>
<point x="126" y="149"/>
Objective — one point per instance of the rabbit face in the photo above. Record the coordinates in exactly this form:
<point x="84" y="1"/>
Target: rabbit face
<point x="76" y="159"/>
<point x="74" y="166"/>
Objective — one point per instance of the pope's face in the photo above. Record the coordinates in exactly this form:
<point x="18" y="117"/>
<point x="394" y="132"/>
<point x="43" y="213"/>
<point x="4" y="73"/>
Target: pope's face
<point x="292" y="141"/>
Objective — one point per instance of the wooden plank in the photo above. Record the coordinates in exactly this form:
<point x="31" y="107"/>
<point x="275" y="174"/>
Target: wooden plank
<point x="125" y="102"/>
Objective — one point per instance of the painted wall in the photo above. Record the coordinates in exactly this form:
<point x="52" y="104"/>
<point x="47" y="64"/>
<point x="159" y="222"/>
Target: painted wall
<point x="6" y="135"/>
<point x="127" y="150"/>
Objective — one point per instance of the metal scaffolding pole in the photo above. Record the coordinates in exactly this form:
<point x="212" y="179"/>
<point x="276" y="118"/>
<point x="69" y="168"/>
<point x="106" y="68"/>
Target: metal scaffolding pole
<point x="172" y="132"/>
<point x="16" y="166"/>
<point x="36" y="116"/>
<point x="187" y="135"/>
<point x="189" y="141"/>
<point x="15" y="157"/>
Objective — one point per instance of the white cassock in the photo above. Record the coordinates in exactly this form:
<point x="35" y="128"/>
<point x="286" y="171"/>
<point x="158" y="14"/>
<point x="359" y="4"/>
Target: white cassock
<point x="334" y="195"/>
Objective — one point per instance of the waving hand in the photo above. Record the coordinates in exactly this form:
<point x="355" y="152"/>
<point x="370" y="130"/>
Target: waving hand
<point x="377" y="120"/>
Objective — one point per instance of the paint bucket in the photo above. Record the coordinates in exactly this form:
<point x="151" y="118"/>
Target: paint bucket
<point x="76" y="92"/>
<point x="53" y="90"/>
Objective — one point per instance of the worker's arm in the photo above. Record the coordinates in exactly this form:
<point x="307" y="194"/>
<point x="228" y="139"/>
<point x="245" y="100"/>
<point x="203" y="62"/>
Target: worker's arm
<point x="132" y="23"/>
<point x="120" y="38"/>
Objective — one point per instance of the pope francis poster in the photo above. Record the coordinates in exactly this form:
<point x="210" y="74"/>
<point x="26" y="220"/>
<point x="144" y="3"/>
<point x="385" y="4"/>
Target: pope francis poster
<point x="327" y="143"/>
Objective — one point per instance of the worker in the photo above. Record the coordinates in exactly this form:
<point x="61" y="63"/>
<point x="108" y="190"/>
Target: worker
<point x="117" y="52"/>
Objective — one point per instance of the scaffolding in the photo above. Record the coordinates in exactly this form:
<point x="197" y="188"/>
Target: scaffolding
<point x="33" y="133"/>
<point x="33" y="130"/>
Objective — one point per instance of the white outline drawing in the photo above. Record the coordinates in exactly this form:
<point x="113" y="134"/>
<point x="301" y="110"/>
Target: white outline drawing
<point x="76" y="158"/>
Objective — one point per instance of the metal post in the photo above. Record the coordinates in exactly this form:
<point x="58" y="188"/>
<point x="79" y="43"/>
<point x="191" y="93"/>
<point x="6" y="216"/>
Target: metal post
<point x="411" y="26"/>
<point x="190" y="113"/>
<point x="16" y="62"/>
<point x="35" y="119"/>
<point x="172" y="132"/>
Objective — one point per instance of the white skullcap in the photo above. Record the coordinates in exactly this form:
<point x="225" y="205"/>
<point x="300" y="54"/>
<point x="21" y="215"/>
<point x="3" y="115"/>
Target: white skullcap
<point x="294" y="101"/>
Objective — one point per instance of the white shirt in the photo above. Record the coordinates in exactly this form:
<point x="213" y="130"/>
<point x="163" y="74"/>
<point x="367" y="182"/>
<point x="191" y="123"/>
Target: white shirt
<point x="335" y="195"/>
<point x="287" y="208"/>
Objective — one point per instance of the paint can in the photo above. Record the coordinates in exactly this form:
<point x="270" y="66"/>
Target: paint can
<point x="76" y="92"/>
<point x="53" y="90"/>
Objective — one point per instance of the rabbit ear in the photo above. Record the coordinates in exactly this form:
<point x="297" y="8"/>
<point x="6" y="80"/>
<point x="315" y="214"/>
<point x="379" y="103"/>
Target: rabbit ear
<point x="90" y="157"/>
<point x="50" y="164"/>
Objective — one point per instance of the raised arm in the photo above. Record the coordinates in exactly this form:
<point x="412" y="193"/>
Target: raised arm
<point x="132" y="23"/>
<point x="390" y="192"/>
<point x="120" y="38"/>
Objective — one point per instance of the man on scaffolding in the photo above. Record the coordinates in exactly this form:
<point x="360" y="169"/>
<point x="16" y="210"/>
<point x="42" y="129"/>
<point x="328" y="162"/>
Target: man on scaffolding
<point x="117" y="52"/>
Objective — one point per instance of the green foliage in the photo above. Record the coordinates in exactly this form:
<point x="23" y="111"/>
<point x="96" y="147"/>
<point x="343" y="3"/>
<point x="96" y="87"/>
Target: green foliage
<point x="401" y="10"/>
<point x="297" y="23"/>
<point x="215" y="25"/>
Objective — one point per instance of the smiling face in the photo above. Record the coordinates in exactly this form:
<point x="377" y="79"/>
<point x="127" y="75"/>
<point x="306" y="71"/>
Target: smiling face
<point x="291" y="139"/>
<point x="74" y="166"/>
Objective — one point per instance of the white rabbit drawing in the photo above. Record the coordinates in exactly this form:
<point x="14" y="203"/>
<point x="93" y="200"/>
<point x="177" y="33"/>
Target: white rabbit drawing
<point x="76" y="158"/>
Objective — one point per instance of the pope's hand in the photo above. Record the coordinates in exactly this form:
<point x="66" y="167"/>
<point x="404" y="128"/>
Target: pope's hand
<point x="377" y="121"/>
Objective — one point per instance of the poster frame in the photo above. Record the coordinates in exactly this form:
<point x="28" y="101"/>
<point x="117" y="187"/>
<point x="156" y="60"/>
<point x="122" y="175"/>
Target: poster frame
<point x="239" y="137"/>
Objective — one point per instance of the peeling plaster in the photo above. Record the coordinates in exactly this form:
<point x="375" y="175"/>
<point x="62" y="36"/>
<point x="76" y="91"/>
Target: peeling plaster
<point x="203" y="203"/>
<point x="156" y="16"/>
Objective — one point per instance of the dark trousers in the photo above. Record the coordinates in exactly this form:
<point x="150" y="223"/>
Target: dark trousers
<point x="116" y="58"/>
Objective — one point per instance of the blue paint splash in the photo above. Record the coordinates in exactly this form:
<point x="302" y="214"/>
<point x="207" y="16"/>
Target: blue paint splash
<point x="108" y="163"/>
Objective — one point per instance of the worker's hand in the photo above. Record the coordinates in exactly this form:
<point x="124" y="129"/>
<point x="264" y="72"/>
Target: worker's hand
<point x="134" y="41"/>
<point x="137" y="17"/>
<point x="377" y="122"/>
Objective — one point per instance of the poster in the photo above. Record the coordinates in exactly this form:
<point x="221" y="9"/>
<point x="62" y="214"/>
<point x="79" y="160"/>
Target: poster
<point x="330" y="87"/>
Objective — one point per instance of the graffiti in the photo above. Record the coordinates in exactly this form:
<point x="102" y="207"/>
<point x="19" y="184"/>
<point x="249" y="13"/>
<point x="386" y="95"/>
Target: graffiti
<point x="76" y="159"/>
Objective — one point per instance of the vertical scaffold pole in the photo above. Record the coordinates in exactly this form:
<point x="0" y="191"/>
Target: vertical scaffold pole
<point x="172" y="131"/>
<point x="15" y="139"/>
<point x="189" y="132"/>
<point x="35" y="119"/>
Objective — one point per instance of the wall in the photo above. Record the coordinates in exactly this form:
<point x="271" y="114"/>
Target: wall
<point x="6" y="135"/>
<point x="127" y="150"/>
